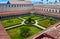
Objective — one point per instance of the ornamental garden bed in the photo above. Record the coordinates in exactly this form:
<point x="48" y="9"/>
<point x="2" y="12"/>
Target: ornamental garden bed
<point x="33" y="17"/>
<point x="10" y="22"/>
<point x="28" y="29"/>
<point x="47" y="22"/>
<point x="15" y="33"/>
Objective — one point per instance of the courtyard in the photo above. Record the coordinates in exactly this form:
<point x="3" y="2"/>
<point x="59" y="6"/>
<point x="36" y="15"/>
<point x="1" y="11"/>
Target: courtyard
<point x="32" y="24"/>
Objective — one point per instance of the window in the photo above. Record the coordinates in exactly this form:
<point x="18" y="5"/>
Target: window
<point x="52" y="10"/>
<point x="59" y="11"/>
<point x="49" y="10"/>
<point x="56" y="11"/>
<point x="22" y="5"/>
<point x="17" y="5"/>
<point x="14" y="5"/>
<point x="9" y="5"/>
<point x="44" y="9"/>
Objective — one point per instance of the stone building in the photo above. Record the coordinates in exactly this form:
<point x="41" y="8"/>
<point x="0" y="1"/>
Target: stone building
<point x="15" y="5"/>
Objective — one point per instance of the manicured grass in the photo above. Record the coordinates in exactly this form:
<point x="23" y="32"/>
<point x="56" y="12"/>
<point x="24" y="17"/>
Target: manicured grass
<point x="36" y="17"/>
<point x="33" y="17"/>
<point x="10" y="22"/>
<point x="46" y="22"/>
<point x="25" y="17"/>
<point x="15" y="33"/>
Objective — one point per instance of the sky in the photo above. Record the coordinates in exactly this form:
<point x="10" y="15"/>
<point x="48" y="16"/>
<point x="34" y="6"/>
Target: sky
<point x="33" y="1"/>
<point x="3" y="1"/>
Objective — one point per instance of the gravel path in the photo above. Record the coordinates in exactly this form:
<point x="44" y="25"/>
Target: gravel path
<point x="23" y="22"/>
<point x="36" y="24"/>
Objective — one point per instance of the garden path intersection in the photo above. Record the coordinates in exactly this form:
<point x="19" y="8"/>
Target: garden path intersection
<point x="33" y="22"/>
<point x="23" y="23"/>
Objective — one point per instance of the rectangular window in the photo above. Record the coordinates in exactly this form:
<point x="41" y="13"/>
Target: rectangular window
<point x="22" y="5"/>
<point x="9" y="5"/>
<point x="14" y="5"/>
<point x="56" y="11"/>
<point x="17" y="5"/>
<point x="59" y="11"/>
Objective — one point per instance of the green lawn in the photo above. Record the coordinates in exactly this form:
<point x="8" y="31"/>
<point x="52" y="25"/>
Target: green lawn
<point x="15" y="33"/>
<point x="10" y="22"/>
<point x="46" y="22"/>
<point x="33" y="17"/>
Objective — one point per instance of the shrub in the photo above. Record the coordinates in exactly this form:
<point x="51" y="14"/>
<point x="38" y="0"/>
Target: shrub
<point x="25" y="31"/>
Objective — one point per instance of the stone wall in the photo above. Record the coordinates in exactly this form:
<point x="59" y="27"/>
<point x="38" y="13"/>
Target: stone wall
<point x="48" y="8"/>
<point x="14" y="7"/>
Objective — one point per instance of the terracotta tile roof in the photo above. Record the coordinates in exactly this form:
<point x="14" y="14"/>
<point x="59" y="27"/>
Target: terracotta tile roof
<point x="3" y="34"/>
<point x="14" y="12"/>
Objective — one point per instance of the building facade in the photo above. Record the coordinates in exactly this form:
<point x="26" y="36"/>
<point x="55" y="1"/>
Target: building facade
<point x="14" y="6"/>
<point x="48" y="8"/>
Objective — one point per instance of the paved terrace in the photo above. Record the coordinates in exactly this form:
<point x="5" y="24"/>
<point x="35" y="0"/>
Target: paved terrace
<point x="3" y="34"/>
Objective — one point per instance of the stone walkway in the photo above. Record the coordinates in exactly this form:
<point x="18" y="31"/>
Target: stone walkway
<point x="12" y="27"/>
<point x="23" y="22"/>
<point x="36" y="24"/>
